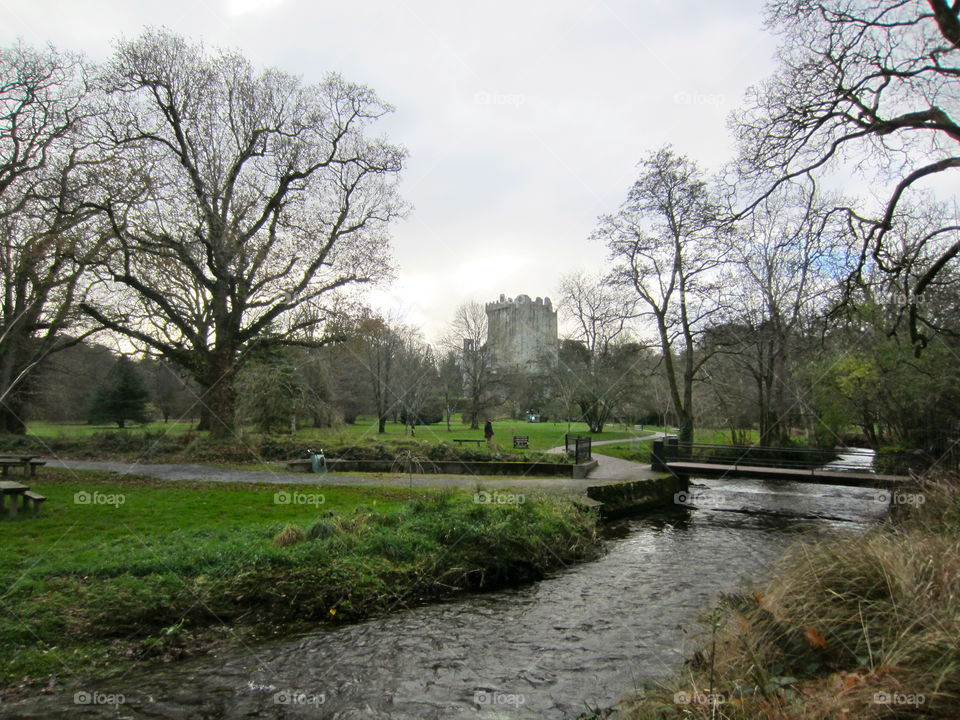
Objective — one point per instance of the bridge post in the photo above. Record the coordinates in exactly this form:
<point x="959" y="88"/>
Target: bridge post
<point x="673" y="449"/>
<point x="673" y="454"/>
<point x="657" y="460"/>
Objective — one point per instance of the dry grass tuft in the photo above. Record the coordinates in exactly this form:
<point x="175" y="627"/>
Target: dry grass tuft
<point x="290" y="535"/>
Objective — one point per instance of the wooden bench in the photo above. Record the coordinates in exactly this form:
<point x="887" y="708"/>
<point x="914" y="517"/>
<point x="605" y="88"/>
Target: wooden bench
<point x="521" y="441"/>
<point x="31" y="497"/>
<point x="466" y="440"/>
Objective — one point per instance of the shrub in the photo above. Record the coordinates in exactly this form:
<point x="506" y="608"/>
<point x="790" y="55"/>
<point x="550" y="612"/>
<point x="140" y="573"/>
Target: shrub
<point x="321" y="529"/>
<point x="290" y="535"/>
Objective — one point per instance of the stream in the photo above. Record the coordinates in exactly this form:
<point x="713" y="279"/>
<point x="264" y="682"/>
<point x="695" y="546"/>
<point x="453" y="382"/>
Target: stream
<point x="578" y="640"/>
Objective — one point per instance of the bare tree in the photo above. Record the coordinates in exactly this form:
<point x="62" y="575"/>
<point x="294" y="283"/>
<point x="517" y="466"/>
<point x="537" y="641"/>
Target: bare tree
<point x="870" y="86"/>
<point x="600" y="309"/>
<point x="600" y="387"/>
<point x="377" y="343"/>
<point x="788" y="259"/>
<point x="451" y="384"/>
<point x="48" y="172"/>
<point x="601" y="379"/>
<point x="468" y="338"/>
<point x="665" y="243"/>
<point x="267" y="197"/>
<point x="274" y="390"/>
<point x="417" y="379"/>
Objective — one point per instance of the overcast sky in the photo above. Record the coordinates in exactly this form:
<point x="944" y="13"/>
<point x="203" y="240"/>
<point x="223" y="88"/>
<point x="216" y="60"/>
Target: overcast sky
<point x="524" y="120"/>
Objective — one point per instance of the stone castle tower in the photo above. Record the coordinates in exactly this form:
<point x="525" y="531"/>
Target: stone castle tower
<point x="522" y="334"/>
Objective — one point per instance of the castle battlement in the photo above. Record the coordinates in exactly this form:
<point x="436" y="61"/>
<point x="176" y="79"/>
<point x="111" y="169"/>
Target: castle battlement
<point x="505" y="302"/>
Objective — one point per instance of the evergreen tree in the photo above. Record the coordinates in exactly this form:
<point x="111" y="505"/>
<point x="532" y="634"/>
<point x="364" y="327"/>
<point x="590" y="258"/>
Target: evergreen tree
<point x="122" y="396"/>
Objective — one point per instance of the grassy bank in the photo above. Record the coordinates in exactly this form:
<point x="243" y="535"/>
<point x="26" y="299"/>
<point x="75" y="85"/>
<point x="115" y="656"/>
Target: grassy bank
<point x="132" y="569"/>
<point x="632" y="450"/>
<point x="863" y="627"/>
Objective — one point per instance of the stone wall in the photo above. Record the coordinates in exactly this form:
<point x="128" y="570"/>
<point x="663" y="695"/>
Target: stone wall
<point x="628" y="498"/>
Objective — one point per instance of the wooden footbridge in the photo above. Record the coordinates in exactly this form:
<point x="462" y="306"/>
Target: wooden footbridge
<point x="824" y="467"/>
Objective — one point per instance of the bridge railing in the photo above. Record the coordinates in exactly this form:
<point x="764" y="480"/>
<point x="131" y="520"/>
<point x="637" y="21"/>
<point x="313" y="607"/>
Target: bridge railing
<point x="799" y="458"/>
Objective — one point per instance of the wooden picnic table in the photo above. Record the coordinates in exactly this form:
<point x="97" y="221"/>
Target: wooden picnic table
<point x="15" y="490"/>
<point x="29" y="463"/>
<point x="18" y="492"/>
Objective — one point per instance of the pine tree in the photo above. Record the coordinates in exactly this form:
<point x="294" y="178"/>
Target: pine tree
<point x="122" y="396"/>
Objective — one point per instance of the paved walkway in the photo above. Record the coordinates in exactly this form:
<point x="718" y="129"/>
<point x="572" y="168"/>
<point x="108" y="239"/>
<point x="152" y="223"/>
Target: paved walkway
<point x="609" y="470"/>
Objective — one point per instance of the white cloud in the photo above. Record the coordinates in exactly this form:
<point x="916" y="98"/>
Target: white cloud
<point x="244" y="7"/>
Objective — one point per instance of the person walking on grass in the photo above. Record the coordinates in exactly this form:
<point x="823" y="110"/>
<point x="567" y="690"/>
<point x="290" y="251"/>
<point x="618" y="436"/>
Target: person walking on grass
<point x="488" y="430"/>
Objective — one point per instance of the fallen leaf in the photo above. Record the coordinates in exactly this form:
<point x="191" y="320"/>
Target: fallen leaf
<point x="814" y="638"/>
<point x="851" y="680"/>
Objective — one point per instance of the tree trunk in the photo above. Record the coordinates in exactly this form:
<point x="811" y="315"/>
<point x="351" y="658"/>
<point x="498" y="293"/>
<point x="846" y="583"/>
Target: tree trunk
<point x="684" y="427"/>
<point x="14" y="404"/>
<point x="382" y="424"/>
<point x="11" y="416"/>
<point x="219" y="403"/>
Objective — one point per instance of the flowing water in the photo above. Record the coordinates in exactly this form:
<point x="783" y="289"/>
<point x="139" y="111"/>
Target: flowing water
<point x="578" y="640"/>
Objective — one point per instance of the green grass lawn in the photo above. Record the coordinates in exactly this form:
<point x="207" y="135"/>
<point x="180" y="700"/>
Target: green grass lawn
<point x="635" y="451"/>
<point x="120" y="568"/>
<point x="106" y="440"/>
<point x="44" y="429"/>
<point x="542" y="436"/>
<point x="179" y="442"/>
